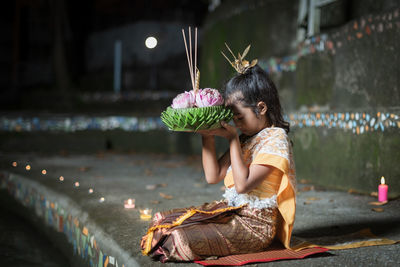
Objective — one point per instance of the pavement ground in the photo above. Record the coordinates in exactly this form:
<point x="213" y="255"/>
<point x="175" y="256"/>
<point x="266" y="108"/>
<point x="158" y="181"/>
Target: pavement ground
<point x="166" y="181"/>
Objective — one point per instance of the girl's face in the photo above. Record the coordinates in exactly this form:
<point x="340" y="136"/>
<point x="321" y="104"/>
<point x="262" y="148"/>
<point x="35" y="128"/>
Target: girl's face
<point x="246" y="120"/>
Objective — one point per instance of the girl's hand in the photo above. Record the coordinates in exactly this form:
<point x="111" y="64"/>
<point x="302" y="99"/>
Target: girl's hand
<point x="227" y="131"/>
<point x="231" y="131"/>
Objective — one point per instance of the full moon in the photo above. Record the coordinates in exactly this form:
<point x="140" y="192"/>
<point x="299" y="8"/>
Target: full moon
<point x="151" y="42"/>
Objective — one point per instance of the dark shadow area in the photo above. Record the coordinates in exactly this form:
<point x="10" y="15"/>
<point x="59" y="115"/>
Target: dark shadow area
<point x="321" y="255"/>
<point x="21" y="244"/>
<point x="378" y="227"/>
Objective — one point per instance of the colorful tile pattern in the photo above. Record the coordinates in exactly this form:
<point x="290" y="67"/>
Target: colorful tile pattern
<point x="80" y="123"/>
<point x="365" y="27"/>
<point x="54" y="215"/>
<point x="358" y="122"/>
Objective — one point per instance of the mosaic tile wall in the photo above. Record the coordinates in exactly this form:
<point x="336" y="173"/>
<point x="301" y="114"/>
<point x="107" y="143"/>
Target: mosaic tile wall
<point x="57" y="217"/>
<point x="366" y="27"/>
<point x="357" y="122"/>
<point x="79" y="123"/>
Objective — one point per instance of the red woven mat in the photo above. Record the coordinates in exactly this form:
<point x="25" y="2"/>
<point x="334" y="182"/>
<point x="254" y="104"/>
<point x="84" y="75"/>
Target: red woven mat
<point x="274" y="252"/>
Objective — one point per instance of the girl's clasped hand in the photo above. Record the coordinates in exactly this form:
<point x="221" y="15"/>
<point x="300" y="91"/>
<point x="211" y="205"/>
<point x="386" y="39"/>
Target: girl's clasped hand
<point x="227" y="131"/>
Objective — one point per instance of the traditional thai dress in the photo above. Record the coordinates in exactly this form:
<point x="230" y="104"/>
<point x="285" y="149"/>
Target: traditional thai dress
<point x="241" y="223"/>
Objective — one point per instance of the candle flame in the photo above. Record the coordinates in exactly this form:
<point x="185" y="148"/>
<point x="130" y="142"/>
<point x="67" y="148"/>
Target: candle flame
<point x="382" y="180"/>
<point x="130" y="201"/>
<point x="145" y="211"/>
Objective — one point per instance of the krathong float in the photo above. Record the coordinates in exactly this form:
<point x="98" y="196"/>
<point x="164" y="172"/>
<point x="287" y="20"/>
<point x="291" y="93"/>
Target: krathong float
<point x="197" y="109"/>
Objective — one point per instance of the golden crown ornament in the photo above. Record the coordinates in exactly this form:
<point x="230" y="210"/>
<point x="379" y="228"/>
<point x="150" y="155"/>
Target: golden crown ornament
<point x="240" y="64"/>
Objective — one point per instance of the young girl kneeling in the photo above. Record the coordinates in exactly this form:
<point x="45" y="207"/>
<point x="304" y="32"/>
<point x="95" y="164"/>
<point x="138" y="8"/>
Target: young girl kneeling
<point x="259" y="176"/>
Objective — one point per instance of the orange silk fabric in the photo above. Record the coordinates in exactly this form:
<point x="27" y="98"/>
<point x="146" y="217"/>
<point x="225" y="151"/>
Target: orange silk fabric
<point x="277" y="183"/>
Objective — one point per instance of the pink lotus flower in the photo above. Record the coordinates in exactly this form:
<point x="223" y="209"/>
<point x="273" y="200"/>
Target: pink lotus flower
<point x="184" y="100"/>
<point x="208" y="97"/>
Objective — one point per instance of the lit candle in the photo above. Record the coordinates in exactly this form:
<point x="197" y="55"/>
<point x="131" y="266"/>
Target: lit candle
<point x="129" y="203"/>
<point x="382" y="191"/>
<point x="102" y="199"/>
<point x="90" y="190"/>
<point x="28" y="167"/>
<point x="76" y="184"/>
<point x="145" y="214"/>
<point x="61" y="178"/>
<point x="14" y="164"/>
<point x="44" y="172"/>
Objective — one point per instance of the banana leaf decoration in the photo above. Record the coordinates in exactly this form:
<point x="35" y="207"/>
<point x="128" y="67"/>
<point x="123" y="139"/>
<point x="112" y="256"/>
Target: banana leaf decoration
<point x="194" y="119"/>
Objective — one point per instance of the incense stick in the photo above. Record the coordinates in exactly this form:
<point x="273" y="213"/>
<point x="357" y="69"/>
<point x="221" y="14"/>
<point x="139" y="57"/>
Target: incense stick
<point x="191" y="58"/>
<point x="187" y="55"/>
<point x="193" y="71"/>
<point x="195" y="61"/>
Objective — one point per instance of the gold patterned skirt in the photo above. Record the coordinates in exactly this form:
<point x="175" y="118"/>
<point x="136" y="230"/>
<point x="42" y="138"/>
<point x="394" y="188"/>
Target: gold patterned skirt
<point x="214" y="229"/>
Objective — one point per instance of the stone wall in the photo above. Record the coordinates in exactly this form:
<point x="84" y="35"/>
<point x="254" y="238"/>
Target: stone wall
<point x="266" y="25"/>
<point x="339" y="89"/>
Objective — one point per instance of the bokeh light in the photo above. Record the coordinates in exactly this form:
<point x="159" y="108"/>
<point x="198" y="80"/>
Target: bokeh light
<point x="151" y="42"/>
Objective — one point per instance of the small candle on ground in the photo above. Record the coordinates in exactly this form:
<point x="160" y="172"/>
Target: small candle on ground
<point x="382" y="190"/>
<point x="14" y="164"/>
<point x="28" y="167"/>
<point x="129" y="203"/>
<point x="145" y="214"/>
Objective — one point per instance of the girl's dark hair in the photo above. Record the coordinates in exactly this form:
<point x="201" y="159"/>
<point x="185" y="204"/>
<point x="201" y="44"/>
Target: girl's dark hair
<point x="255" y="86"/>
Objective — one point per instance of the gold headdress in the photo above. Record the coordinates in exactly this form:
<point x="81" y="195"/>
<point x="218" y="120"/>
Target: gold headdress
<point x="240" y="64"/>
